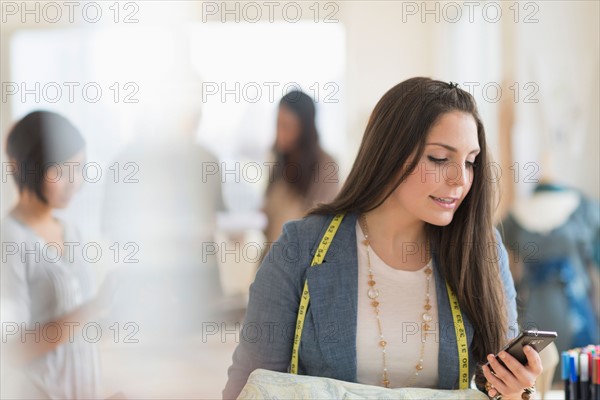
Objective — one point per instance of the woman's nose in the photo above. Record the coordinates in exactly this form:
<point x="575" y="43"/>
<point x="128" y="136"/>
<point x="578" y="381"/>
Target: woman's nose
<point x="457" y="174"/>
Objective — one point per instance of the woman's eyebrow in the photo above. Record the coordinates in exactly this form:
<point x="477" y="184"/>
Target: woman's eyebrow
<point x="447" y="146"/>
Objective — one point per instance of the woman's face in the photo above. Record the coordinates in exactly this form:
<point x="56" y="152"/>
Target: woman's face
<point x="444" y="174"/>
<point x="288" y="130"/>
<point x="63" y="179"/>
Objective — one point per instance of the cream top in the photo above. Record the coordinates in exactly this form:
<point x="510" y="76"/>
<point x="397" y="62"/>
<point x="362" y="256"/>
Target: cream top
<point x="402" y="298"/>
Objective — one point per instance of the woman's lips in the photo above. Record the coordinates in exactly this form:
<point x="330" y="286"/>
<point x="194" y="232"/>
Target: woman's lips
<point x="445" y="202"/>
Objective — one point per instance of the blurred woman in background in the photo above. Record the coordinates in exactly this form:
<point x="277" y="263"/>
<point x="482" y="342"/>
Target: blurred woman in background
<point x="48" y="290"/>
<point x="304" y="174"/>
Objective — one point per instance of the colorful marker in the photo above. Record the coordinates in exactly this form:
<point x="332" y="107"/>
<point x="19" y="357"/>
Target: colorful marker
<point x="596" y="377"/>
<point x="584" y="376"/>
<point x="565" y="363"/>
<point x="573" y="378"/>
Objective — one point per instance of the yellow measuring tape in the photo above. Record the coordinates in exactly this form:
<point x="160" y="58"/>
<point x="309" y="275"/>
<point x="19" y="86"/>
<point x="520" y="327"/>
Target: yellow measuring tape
<point x="461" y="340"/>
<point x="459" y="326"/>
<point x="317" y="259"/>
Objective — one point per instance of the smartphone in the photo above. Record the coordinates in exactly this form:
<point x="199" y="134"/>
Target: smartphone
<point x="536" y="339"/>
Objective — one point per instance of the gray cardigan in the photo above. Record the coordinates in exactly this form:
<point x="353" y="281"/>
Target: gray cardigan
<point x="328" y="346"/>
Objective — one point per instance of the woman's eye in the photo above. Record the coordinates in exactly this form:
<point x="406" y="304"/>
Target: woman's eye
<point x="437" y="160"/>
<point x="469" y="164"/>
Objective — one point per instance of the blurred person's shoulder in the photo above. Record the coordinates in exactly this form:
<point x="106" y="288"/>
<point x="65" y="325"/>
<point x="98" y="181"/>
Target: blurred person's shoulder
<point x="13" y="230"/>
<point x="325" y="158"/>
<point x="328" y="174"/>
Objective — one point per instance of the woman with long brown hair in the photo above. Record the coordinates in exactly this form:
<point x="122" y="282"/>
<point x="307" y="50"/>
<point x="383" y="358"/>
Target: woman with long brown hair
<point x="414" y="288"/>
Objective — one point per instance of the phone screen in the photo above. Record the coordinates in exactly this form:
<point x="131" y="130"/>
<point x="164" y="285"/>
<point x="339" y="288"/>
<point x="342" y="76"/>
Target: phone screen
<point x="538" y="340"/>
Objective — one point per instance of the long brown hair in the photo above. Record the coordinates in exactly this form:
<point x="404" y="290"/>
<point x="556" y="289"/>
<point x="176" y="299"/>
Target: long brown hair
<point x="467" y="247"/>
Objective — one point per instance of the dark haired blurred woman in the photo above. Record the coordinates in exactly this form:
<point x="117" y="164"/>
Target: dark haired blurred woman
<point x="304" y="174"/>
<point x="48" y="291"/>
<point x="415" y="289"/>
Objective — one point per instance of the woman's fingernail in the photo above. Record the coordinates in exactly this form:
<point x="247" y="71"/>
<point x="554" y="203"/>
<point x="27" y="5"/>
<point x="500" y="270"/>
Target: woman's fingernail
<point x="503" y="355"/>
<point x="490" y="357"/>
